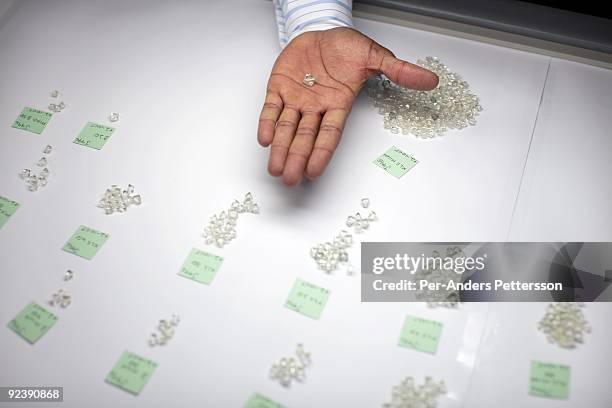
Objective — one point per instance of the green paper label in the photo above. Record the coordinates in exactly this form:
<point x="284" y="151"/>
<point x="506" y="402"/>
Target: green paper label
<point x="94" y="135"/>
<point x="260" y="401"/>
<point x="32" y="120"/>
<point x="131" y="372"/>
<point x="420" y="334"/>
<point x="396" y="162"/>
<point x="85" y="242"/>
<point x="307" y="299"/>
<point x="549" y="380"/>
<point x="32" y="322"/>
<point x="7" y="208"/>
<point x="201" y="266"/>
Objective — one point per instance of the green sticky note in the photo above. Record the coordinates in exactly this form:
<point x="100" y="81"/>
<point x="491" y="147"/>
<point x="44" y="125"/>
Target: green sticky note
<point x="32" y="322"/>
<point x="396" y="162"/>
<point x="260" y="401"/>
<point x="201" y="266"/>
<point x="131" y="372"/>
<point x="32" y="120"/>
<point x="420" y="334"/>
<point x="307" y="299"/>
<point x="7" y="208"/>
<point x="549" y="380"/>
<point x="85" y="242"/>
<point x="94" y="135"/>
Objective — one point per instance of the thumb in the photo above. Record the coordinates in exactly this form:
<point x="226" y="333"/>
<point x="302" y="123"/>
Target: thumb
<point x="404" y="73"/>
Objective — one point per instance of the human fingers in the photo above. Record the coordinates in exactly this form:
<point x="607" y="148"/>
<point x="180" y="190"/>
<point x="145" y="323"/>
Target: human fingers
<point x="407" y="74"/>
<point x="326" y="142"/>
<point x="270" y="112"/>
<point x="283" y="135"/>
<point x="301" y="147"/>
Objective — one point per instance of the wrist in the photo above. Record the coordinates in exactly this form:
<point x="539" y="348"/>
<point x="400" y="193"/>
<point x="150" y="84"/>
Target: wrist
<point x="297" y="17"/>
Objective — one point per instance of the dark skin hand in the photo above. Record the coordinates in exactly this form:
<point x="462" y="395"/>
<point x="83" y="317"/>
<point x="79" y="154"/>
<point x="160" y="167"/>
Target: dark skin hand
<point x="303" y="124"/>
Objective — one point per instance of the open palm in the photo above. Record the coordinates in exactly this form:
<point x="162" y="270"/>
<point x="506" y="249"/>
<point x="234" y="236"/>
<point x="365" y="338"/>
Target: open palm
<point x="302" y="123"/>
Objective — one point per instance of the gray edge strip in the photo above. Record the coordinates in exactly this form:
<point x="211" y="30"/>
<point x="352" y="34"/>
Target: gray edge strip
<point x="482" y="34"/>
<point x="517" y="17"/>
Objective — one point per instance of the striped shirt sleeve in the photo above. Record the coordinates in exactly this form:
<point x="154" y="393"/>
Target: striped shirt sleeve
<point x="295" y="17"/>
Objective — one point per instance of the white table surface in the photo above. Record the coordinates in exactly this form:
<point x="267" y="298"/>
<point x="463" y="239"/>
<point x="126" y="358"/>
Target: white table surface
<point x="566" y="193"/>
<point x="188" y="82"/>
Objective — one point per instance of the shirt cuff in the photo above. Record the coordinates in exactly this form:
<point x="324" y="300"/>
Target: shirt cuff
<point x="295" y="17"/>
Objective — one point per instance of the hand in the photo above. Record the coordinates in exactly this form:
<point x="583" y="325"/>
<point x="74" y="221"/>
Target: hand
<point x="304" y="124"/>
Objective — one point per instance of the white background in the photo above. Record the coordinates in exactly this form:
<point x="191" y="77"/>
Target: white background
<point x="188" y="79"/>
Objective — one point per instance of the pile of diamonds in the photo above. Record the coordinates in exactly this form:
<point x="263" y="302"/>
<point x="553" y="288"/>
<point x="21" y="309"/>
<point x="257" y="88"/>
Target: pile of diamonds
<point x="426" y="114"/>
<point x="221" y="228"/>
<point x="289" y="368"/>
<point x="116" y="200"/>
<point x="329" y="254"/>
<point x="409" y="395"/>
<point x="564" y="324"/>
<point x="61" y="298"/>
<point x="56" y="107"/>
<point x="165" y="330"/>
<point x="33" y="180"/>
<point x="449" y="298"/>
